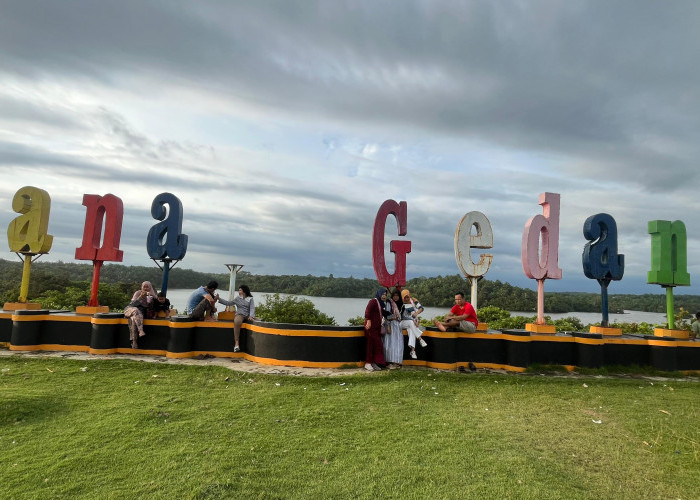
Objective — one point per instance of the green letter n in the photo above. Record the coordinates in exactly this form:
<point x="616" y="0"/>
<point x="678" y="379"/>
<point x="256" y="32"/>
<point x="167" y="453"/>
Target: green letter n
<point x="669" y="260"/>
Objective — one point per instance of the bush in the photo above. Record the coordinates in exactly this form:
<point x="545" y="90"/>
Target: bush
<point x="291" y="309"/>
<point x="642" y="328"/>
<point x="115" y="296"/>
<point x="429" y="322"/>
<point x="512" y="323"/>
<point x="683" y="319"/>
<point x="568" y="324"/>
<point x="491" y="314"/>
<point x="356" y="321"/>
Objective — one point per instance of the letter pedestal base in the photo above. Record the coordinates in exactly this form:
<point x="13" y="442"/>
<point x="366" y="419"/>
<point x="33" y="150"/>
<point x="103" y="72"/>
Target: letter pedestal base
<point x="535" y="328"/>
<point x="482" y="327"/>
<point x="604" y="330"/>
<point x="676" y="334"/>
<point x="226" y="315"/>
<point x="20" y="306"/>
<point x="91" y="309"/>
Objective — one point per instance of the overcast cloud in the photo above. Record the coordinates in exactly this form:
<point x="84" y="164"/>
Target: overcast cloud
<point x="283" y="126"/>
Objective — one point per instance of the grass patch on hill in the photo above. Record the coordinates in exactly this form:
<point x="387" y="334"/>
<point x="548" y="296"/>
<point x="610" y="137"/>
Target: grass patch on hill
<point x="121" y="429"/>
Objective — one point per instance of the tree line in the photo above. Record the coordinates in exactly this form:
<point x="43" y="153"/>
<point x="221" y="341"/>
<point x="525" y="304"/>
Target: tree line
<point x="117" y="281"/>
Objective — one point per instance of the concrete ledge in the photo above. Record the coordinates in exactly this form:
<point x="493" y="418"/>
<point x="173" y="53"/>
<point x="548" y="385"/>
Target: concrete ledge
<point x="676" y="334"/>
<point x="336" y="346"/>
<point x="91" y="310"/>
<point x="604" y="330"/>
<point x="19" y="306"/>
<point x="535" y="328"/>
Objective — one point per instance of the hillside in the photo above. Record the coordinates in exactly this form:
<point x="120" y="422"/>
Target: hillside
<point x="436" y="291"/>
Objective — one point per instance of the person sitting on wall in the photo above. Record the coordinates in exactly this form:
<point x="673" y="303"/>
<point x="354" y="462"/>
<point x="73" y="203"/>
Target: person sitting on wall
<point x="201" y="304"/>
<point x="245" y="310"/>
<point x="139" y="307"/>
<point x="462" y="316"/>
<point x="410" y="309"/>
<point x="161" y="305"/>
<point x="695" y="327"/>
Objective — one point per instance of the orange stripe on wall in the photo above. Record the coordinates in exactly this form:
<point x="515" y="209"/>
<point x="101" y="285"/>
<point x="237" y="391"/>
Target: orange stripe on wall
<point x="305" y="333"/>
<point x="112" y="321"/>
<point x="50" y="347"/>
<point x="51" y="317"/>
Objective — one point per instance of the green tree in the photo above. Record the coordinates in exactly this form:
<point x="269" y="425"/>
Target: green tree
<point x="116" y="296"/>
<point x="491" y="314"/>
<point x="356" y="321"/>
<point x="568" y="324"/>
<point x="296" y="310"/>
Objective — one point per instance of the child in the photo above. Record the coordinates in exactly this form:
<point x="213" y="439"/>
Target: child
<point x="410" y="309"/>
<point x="161" y="305"/>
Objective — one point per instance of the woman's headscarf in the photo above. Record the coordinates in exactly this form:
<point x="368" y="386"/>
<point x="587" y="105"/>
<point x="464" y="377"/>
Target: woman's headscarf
<point x="149" y="288"/>
<point x="378" y="296"/>
<point x="395" y="305"/>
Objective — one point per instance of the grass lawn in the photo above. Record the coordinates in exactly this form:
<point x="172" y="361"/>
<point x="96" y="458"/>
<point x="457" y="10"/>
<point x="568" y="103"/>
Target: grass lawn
<point x="122" y="429"/>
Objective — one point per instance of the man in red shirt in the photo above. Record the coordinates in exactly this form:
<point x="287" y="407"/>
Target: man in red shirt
<point x="461" y="316"/>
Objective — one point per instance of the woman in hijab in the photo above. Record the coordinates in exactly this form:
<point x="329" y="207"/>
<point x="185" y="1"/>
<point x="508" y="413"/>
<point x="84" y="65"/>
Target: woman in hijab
<point x="410" y="309"/>
<point x="137" y="309"/>
<point x="374" y="318"/>
<point x="393" y="340"/>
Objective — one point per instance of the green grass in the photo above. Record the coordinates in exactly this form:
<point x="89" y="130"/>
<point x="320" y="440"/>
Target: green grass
<point x="125" y="429"/>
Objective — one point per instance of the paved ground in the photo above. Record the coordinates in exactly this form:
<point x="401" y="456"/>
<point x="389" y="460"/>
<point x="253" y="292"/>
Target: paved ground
<point x="243" y="365"/>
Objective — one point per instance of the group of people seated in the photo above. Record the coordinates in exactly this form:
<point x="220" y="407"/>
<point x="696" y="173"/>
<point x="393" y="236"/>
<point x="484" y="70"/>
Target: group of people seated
<point x="202" y="305"/>
<point x="145" y="304"/>
<point x="386" y="318"/>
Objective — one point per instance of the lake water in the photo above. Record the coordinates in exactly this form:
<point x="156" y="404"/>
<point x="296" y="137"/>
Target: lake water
<point x="342" y="309"/>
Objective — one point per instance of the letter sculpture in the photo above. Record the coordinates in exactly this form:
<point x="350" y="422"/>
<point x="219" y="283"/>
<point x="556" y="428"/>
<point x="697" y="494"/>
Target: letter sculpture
<point x="600" y="258"/>
<point x="27" y="234"/>
<point x="465" y="241"/>
<point x="165" y="240"/>
<point x="398" y="247"/>
<point x="107" y="209"/>
<point x="668" y="260"/>
<point x="540" y="264"/>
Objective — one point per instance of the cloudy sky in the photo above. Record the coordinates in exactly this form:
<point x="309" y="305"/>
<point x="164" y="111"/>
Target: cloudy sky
<point x="283" y="126"/>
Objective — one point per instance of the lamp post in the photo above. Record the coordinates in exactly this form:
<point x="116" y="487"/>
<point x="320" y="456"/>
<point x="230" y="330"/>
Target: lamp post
<point x="233" y="269"/>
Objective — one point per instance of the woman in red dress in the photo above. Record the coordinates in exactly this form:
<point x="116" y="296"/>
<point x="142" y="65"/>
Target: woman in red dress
<point x="374" y="317"/>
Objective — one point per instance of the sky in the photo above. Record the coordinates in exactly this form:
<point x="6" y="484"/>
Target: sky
<point x="282" y="126"/>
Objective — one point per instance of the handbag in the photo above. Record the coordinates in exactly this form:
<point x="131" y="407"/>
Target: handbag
<point x="382" y="329"/>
